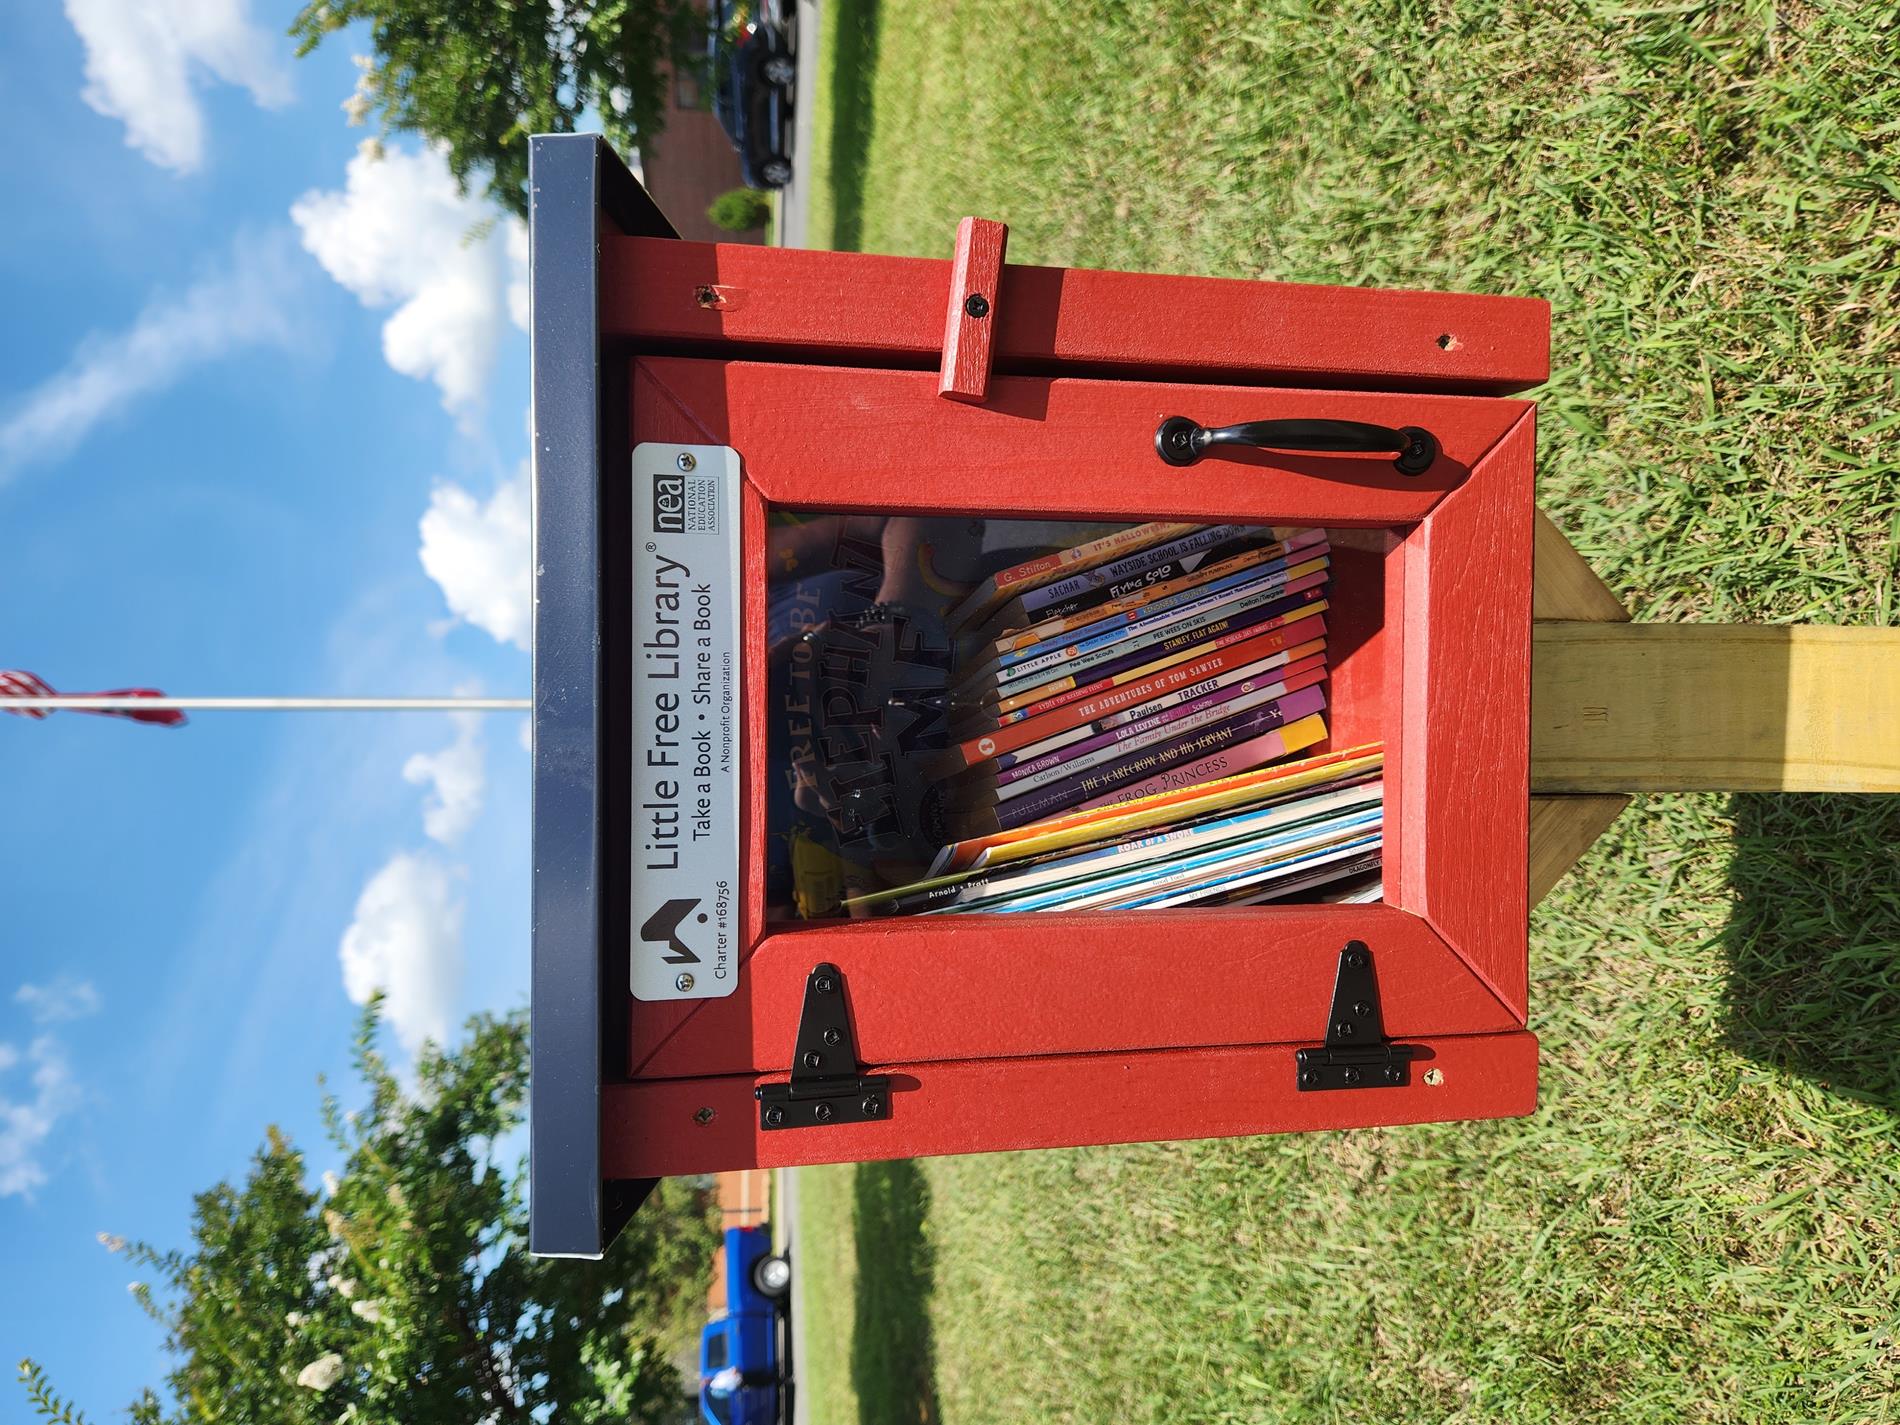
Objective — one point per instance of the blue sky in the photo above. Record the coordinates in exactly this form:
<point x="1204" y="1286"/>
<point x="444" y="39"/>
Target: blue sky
<point x="262" y="430"/>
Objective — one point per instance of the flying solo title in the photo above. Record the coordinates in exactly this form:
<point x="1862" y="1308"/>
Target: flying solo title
<point x="685" y="721"/>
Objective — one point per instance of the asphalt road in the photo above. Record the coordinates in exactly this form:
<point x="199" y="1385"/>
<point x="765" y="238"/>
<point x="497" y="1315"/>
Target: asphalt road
<point x="793" y="202"/>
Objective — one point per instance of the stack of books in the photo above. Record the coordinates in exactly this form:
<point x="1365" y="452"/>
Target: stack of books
<point x="1116" y="722"/>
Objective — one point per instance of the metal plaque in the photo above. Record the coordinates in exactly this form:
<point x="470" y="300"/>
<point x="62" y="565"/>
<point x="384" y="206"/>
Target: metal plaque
<point x="686" y="592"/>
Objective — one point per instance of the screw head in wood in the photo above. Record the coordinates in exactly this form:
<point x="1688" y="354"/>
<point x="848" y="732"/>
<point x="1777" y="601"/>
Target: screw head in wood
<point x="822" y="1112"/>
<point x="825" y="985"/>
<point x="703" y="1117"/>
<point x="872" y="1105"/>
<point x="977" y="305"/>
<point x="1355" y="955"/>
<point x="774" y="1116"/>
<point x="1344" y="1029"/>
<point x="832" y="1038"/>
<point x="814" y="1059"/>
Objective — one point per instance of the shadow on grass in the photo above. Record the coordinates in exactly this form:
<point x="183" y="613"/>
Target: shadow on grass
<point x="855" y="63"/>
<point x="1814" y="941"/>
<point x="892" y="1365"/>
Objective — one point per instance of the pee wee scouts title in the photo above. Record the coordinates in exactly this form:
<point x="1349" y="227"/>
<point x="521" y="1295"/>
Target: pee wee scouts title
<point x="685" y="721"/>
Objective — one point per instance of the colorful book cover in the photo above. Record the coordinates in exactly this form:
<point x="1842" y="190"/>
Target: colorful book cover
<point x="1201" y="871"/>
<point x="1335" y="855"/>
<point x="1176" y="804"/>
<point x="973" y="887"/>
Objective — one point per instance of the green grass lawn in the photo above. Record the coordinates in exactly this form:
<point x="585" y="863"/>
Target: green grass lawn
<point x="1702" y="1222"/>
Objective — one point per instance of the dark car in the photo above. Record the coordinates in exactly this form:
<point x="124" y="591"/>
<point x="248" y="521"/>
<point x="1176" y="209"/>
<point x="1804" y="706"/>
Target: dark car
<point x="740" y="1380"/>
<point x="749" y="50"/>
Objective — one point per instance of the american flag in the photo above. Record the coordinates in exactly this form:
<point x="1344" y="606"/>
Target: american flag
<point x="14" y="683"/>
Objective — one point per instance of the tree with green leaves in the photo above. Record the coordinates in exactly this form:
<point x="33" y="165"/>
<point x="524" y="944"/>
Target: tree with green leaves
<point x="479" y="76"/>
<point x="401" y="1289"/>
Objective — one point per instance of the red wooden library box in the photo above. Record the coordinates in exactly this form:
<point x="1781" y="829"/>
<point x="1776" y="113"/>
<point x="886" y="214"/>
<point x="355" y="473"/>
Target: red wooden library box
<point x="854" y="383"/>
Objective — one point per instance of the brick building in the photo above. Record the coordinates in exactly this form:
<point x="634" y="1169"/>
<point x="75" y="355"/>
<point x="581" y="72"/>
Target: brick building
<point x="691" y="163"/>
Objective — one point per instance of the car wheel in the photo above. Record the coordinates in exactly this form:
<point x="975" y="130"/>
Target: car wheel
<point x="776" y="172"/>
<point x="781" y="70"/>
<point x="772" y="1276"/>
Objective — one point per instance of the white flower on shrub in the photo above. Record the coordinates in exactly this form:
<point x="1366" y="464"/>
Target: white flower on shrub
<point x="321" y="1373"/>
<point x="370" y="1311"/>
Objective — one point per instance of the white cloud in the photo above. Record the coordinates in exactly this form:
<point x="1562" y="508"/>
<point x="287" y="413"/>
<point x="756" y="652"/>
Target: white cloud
<point x="26" y="1124"/>
<point x="400" y="234"/>
<point x="242" y="304"/>
<point x="518" y="273"/>
<point x="64" y="998"/>
<point x="406" y="940"/>
<point x="479" y="554"/>
<point x="455" y="776"/>
<point x="145" y="60"/>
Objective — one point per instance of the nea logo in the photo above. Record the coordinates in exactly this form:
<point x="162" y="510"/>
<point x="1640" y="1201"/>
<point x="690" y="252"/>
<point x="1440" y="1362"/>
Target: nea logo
<point x="669" y="504"/>
<point x="663" y="928"/>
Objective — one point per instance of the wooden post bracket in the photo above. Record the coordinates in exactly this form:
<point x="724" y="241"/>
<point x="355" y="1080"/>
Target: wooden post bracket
<point x="969" y="324"/>
<point x="1620" y="707"/>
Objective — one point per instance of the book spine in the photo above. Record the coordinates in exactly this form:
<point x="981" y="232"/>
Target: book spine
<point x="1025" y="628"/>
<point x="1284" y="666"/>
<point x="1034" y="702"/>
<point x="1107" y="662"/>
<point x="1153" y="603"/>
<point x="1243" y="592"/>
<point x="1032" y="572"/>
<point x="1268" y="650"/>
<point x="1225" y="762"/>
<point x="1191" y="568"/>
<point x="1180" y="723"/>
<point x="1094" y="785"/>
<point x="1135" y="566"/>
<point x="1208" y="707"/>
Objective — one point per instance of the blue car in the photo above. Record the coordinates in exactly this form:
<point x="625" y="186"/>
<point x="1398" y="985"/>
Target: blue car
<point x="749" y="52"/>
<point x="739" y="1358"/>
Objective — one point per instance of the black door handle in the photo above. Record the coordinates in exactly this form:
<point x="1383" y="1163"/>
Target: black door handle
<point x="1180" y="441"/>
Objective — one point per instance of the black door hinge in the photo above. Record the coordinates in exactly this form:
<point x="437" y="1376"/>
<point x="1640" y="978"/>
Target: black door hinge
<point x="1357" y="1054"/>
<point x="826" y="1086"/>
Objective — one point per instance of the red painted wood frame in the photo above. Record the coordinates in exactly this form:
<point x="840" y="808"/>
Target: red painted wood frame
<point x="1030" y="1031"/>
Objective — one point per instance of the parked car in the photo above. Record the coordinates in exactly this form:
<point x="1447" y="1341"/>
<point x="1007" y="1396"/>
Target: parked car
<point x="739" y="1357"/>
<point x="753" y="73"/>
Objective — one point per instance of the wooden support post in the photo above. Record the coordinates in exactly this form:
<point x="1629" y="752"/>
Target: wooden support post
<point x="1665" y="707"/>
<point x="1563" y="586"/>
